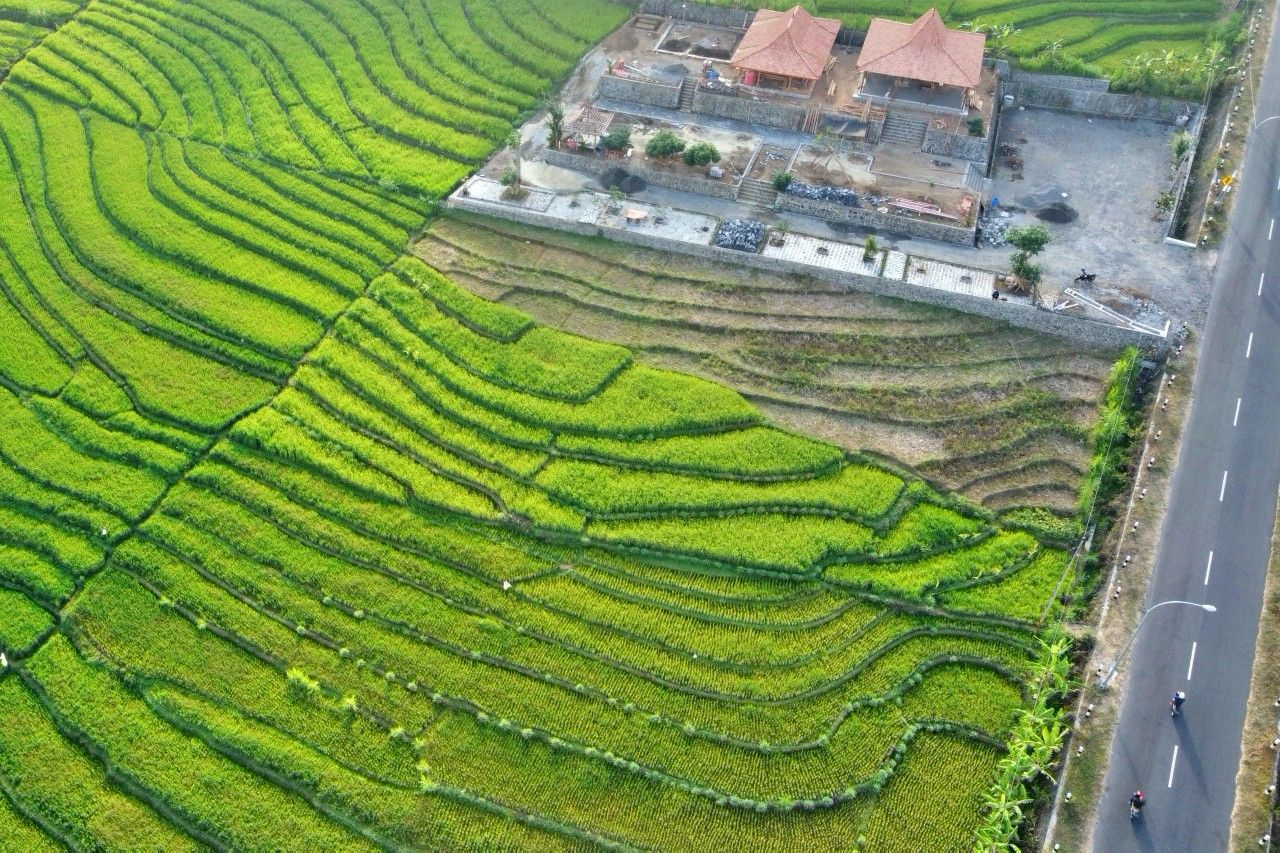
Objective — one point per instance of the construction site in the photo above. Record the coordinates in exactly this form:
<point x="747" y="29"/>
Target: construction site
<point x="909" y="132"/>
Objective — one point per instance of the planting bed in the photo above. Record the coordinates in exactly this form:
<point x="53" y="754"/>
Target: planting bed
<point x="306" y="545"/>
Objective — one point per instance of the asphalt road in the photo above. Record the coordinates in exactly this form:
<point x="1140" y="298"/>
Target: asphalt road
<point x="1215" y="543"/>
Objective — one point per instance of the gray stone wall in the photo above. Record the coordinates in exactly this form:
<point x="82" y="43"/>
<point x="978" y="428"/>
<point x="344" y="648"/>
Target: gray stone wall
<point x="654" y="177"/>
<point x="1082" y="95"/>
<point x="1061" y="81"/>
<point x="716" y="16"/>
<point x="1016" y="314"/>
<point x="869" y="218"/>
<point x="770" y="114"/>
<point x="639" y="91"/>
<point x="960" y="145"/>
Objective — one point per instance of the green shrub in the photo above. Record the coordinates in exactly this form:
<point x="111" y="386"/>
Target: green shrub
<point x="617" y="138"/>
<point x="781" y="180"/>
<point x="702" y="154"/>
<point x="664" y="143"/>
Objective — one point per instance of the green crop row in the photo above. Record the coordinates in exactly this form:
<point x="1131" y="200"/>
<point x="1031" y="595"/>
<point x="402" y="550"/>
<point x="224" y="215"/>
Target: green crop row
<point x="206" y="791"/>
<point x="23" y="625"/>
<point x="78" y="800"/>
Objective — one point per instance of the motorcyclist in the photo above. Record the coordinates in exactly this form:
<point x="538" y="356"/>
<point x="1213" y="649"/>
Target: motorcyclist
<point x="1175" y="704"/>
<point x="1136" y="801"/>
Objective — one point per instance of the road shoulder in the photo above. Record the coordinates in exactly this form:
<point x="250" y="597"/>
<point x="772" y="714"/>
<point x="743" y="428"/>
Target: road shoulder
<point x="1253" y="813"/>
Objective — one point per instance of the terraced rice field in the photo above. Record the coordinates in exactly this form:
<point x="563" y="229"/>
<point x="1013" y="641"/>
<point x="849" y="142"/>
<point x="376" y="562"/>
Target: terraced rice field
<point x="1001" y="415"/>
<point x="304" y="546"/>
<point x="1102" y="34"/>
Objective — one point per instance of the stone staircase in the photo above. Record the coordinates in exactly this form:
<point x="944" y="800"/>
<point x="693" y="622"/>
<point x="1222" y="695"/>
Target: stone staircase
<point x="688" y="86"/>
<point x="904" y="128"/>
<point x="758" y="193"/>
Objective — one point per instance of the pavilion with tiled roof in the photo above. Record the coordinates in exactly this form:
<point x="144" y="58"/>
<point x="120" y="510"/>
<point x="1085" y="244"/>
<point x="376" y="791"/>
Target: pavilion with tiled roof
<point x="786" y="50"/>
<point x="921" y="62"/>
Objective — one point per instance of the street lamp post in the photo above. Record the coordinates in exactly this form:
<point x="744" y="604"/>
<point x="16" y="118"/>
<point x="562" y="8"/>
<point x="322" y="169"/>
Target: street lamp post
<point x="1106" y="679"/>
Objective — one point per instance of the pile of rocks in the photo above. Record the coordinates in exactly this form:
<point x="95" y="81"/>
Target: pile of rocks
<point x="991" y="228"/>
<point x="818" y="192"/>
<point x="745" y="235"/>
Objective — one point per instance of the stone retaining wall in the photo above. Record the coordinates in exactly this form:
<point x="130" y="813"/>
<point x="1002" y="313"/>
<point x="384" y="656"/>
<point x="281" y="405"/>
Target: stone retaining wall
<point x="1082" y="95"/>
<point x="960" y="145"/>
<point x="1062" y="81"/>
<point x="716" y="16"/>
<point x="1016" y="314"/>
<point x="639" y="91"/>
<point x="768" y="113"/>
<point x="654" y="177"/>
<point x="869" y="218"/>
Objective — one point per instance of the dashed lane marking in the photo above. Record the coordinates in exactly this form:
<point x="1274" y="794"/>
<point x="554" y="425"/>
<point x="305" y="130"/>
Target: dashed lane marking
<point x="1236" y="419"/>
<point x="1222" y="493"/>
<point x="1208" y="568"/>
<point x="1191" y="665"/>
<point x="1172" y="765"/>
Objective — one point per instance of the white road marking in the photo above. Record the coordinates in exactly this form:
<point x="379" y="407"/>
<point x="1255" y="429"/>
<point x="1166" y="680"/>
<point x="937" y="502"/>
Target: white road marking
<point x="1208" y="569"/>
<point x="1272" y="229"/>
<point x="1192" y="664"/>
<point x="1172" y="764"/>
<point x="1249" y="346"/>
<point x="1261" y="279"/>
<point x="1223" y="491"/>
<point x="1236" y="419"/>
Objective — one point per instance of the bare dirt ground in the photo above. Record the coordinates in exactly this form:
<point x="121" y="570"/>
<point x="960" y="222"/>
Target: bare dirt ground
<point x="1105" y="175"/>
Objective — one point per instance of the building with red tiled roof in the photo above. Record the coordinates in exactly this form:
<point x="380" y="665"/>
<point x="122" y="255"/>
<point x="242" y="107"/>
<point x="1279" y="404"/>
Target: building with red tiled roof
<point x="922" y="55"/>
<point x="789" y="49"/>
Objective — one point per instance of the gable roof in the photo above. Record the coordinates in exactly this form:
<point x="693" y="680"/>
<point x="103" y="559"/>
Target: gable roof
<point x="923" y="50"/>
<point x="791" y="43"/>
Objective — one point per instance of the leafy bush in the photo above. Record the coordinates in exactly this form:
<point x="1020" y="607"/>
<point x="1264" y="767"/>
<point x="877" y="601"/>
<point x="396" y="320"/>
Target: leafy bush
<point x="702" y="154"/>
<point x="781" y="180"/>
<point x="976" y="126"/>
<point x="664" y="143"/>
<point x="617" y="138"/>
<point x="1113" y="436"/>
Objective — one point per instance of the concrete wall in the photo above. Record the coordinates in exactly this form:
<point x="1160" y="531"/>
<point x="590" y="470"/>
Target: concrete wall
<point x="1016" y="314"/>
<point x="654" y="177"/>
<point x="1083" y="95"/>
<point x="869" y="218"/>
<point x="767" y="113"/>
<point x="960" y="145"/>
<point x="639" y="91"/>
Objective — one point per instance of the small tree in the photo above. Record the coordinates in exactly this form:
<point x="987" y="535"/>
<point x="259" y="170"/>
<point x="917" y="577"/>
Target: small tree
<point x="1030" y="273"/>
<point x="1164" y="204"/>
<point x="869" y="248"/>
<point x="1030" y="241"/>
<point x="555" y="124"/>
<point x="976" y="126"/>
<point x="509" y="177"/>
<point x="701" y="154"/>
<point x="513" y="144"/>
<point x="664" y="143"/>
<point x="781" y="180"/>
<point x="617" y="138"/>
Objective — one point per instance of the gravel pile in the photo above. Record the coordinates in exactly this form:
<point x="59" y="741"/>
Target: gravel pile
<point x="991" y="229"/>
<point x="745" y="235"/>
<point x="818" y="192"/>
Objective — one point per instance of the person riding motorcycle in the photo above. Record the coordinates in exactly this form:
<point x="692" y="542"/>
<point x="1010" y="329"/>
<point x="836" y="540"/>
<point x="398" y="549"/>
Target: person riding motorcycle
<point x="1175" y="704"/>
<point x="1136" y="801"/>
